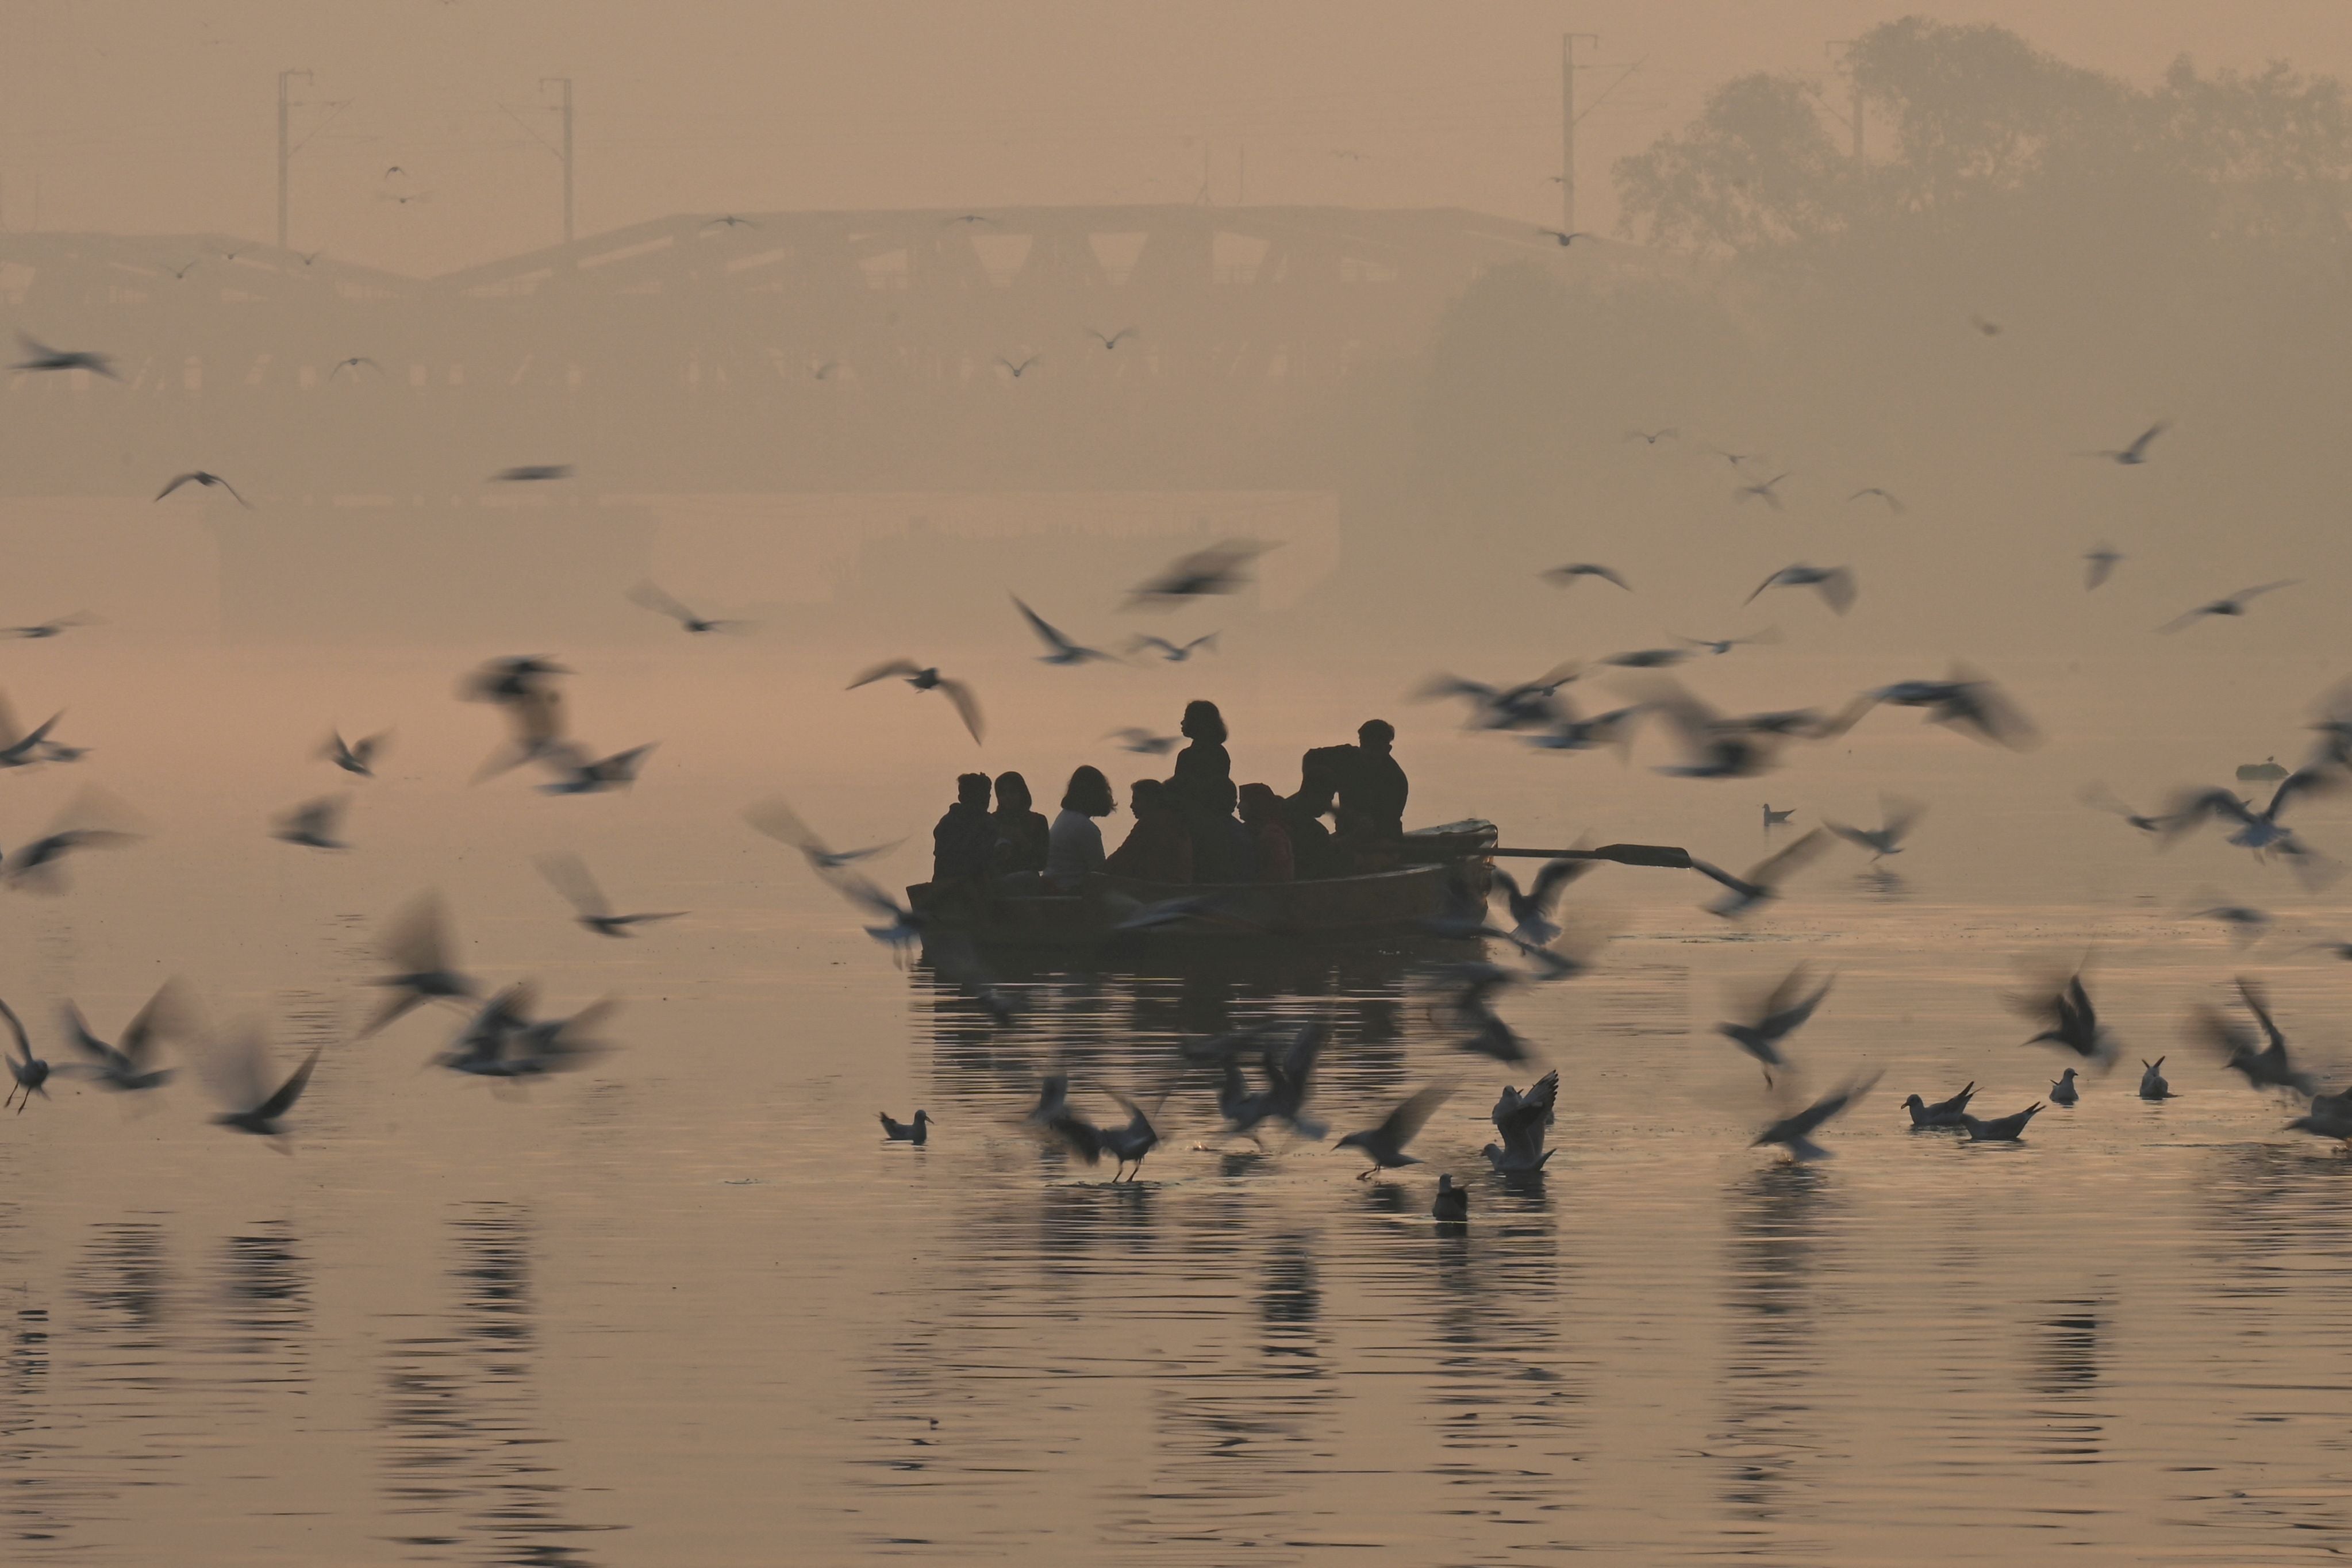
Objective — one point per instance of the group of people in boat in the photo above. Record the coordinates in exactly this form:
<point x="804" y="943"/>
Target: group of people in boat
<point x="1195" y="825"/>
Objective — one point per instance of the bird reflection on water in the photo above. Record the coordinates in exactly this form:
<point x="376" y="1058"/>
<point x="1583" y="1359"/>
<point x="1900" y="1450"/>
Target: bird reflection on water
<point x="1774" y="1296"/>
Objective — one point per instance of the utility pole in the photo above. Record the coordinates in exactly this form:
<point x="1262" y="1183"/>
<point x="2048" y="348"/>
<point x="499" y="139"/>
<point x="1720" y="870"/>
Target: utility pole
<point x="285" y="146"/>
<point x="565" y="109"/>
<point x="1568" y="126"/>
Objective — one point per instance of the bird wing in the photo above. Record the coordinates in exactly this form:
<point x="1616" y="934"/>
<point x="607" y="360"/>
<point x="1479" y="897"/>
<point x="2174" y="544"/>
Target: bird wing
<point x="1900" y="816"/>
<point x="2251" y="991"/>
<point x="1533" y="1109"/>
<point x="1306" y="1049"/>
<point x="1830" y="1105"/>
<point x="568" y="875"/>
<point x="1046" y="631"/>
<point x="967" y="706"/>
<point x="1507" y="883"/>
<point x="231" y="490"/>
<point x="1552" y="879"/>
<point x="1408" y="1118"/>
<point x="886" y="670"/>
<point x="177" y="480"/>
<point x="1837" y="586"/>
<point x="1768" y="582"/>
<point x="1783" y="996"/>
<point x="646" y="596"/>
<point x="166" y="1015"/>
<point x="1853" y="835"/>
<point x="415" y="939"/>
<point x="1794" y="856"/>
<point x="1139" y="644"/>
<point x="861" y="891"/>
<point x="777" y="819"/>
<point x="17" y="1027"/>
<point x="2189" y="808"/>
<point x="1718" y="874"/>
<point x="2139" y="445"/>
<point x="2312" y="781"/>
<point x="278" y="1104"/>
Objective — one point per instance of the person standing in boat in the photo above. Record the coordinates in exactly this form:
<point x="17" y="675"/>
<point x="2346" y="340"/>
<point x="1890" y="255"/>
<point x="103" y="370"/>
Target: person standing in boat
<point x="1158" y="848"/>
<point x="963" y="844"/>
<point x="1203" y="794"/>
<point x="1269" y="839"/>
<point x="1021" y="836"/>
<point x="1074" y="847"/>
<point x="1372" y="792"/>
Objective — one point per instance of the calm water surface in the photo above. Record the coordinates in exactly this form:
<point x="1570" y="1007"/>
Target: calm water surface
<point x="687" y="1306"/>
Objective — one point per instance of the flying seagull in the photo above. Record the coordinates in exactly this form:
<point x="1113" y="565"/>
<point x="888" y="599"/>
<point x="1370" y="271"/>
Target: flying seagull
<point x="1651" y="437"/>
<point x="1719" y="646"/>
<point x="416" y="943"/>
<point x="1893" y="505"/>
<point x="40" y="356"/>
<point x="2234" y="604"/>
<point x="1835" y="583"/>
<point x="2136" y="453"/>
<point x="1174" y="653"/>
<point x="125" y="1066"/>
<point x="1897" y="817"/>
<point x="1566" y="576"/>
<point x="568" y="875"/>
<point x="729" y="220"/>
<point x="927" y="678"/>
<point x="1779" y="1014"/>
<point x="1762" y="492"/>
<point x="1563" y="237"/>
<point x="353" y="364"/>
<point x="313" y="823"/>
<point x="56" y="627"/>
<point x="199" y="477"/>
<point x="2257" y="830"/>
<point x="1060" y="649"/>
<point x="645" y="596"/>
<point x="1761" y="884"/>
<point x="237" y="1070"/>
<point x="1114" y="340"/>
<point x="355" y="756"/>
<point x="1966" y="700"/>
<point x="1143" y="742"/>
<point x="1795" y="1133"/>
<point x="2071" y="1022"/>
<point x="1219" y="569"/>
<point x="2264" y="1067"/>
<point x="532" y="473"/>
<point x="1017" y="370"/>
<point x="777" y="819"/>
<point x="91" y="820"/>
<point x="576" y="774"/>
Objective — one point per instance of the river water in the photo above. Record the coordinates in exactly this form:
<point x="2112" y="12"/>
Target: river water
<point x="686" y="1306"/>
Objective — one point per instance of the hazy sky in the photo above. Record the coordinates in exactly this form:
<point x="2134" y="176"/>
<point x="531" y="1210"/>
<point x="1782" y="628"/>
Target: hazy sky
<point x="138" y="116"/>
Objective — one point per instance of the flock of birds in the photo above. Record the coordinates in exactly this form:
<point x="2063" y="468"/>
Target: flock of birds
<point x="503" y="1039"/>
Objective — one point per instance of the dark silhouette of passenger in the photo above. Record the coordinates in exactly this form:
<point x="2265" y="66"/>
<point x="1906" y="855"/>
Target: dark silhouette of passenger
<point x="1074" y="848"/>
<point x="1022" y="835"/>
<point x="1312" y="851"/>
<point x="1158" y="848"/>
<point x="1203" y="796"/>
<point x="1269" y="839"/>
<point x="1373" y="786"/>
<point x="964" y="842"/>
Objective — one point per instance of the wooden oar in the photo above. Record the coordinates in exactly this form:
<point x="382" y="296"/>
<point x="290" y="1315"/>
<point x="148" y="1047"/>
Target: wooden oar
<point x="1664" y="855"/>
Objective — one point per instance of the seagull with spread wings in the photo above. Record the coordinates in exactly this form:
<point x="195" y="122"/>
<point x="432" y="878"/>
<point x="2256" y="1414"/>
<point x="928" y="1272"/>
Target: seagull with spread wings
<point x="1761" y="884"/>
<point x="1835" y="583"/>
<point x="2234" y="605"/>
<point x="199" y="477"/>
<point x="1060" y="648"/>
<point x="927" y="677"/>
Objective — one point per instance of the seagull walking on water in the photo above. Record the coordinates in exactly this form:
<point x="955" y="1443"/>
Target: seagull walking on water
<point x="1384" y="1146"/>
<point x="30" y="1072"/>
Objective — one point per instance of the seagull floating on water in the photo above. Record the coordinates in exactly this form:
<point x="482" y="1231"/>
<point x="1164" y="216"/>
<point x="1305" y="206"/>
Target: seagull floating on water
<point x="1452" y="1203"/>
<point x="1944" y="1113"/>
<point x="2000" y="1129"/>
<point x="916" y="1131"/>
<point x="2062" y="1090"/>
<point x="2152" y="1084"/>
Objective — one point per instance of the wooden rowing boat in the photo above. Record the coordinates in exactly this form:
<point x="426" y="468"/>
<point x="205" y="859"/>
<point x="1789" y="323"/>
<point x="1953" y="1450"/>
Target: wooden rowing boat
<point x="1440" y="869"/>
